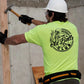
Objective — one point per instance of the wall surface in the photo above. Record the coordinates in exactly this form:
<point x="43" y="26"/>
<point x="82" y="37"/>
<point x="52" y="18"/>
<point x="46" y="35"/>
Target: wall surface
<point x="24" y="56"/>
<point x="76" y="17"/>
<point x="43" y="3"/>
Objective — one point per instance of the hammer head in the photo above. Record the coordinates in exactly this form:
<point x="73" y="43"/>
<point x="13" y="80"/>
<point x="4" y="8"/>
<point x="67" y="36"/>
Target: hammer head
<point x="8" y="9"/>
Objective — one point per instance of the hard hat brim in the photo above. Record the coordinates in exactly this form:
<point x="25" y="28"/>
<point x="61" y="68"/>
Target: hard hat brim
<point x="55" y="10"/>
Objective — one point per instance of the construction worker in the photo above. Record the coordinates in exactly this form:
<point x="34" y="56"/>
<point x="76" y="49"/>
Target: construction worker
<point x="59" y="41"/>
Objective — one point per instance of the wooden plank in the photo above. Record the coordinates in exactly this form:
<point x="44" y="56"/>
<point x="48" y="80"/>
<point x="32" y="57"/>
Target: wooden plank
<point x="38" y="73"/>
<point x="5" y="48"/>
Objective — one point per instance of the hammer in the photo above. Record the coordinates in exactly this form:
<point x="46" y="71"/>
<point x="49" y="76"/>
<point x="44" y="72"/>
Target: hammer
<point x="11" y="10"/>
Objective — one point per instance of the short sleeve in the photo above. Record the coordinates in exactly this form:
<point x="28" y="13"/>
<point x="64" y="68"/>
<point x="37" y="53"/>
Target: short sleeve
<point x="32" y="36"/>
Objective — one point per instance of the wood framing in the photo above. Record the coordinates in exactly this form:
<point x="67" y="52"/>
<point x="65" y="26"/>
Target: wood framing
<point x="5" y="48"/>
<point x="38" y="73"/>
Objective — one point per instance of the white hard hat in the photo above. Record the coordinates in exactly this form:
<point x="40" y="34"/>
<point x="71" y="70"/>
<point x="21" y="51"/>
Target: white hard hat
<point x="57" y="6"/>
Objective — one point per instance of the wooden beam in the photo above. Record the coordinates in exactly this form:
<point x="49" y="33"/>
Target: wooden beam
<point x="38" y="73"/>
<point x="5" y="48"/>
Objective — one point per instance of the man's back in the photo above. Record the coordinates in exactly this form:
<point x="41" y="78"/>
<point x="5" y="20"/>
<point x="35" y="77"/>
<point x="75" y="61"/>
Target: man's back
<point x="59" y="42"/>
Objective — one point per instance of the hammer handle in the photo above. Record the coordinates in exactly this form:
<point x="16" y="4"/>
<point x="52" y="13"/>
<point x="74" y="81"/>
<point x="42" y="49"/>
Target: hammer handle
<point x="17" y="14"/>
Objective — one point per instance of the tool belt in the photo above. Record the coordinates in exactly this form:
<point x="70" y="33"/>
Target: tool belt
<point x="60" y="75"/>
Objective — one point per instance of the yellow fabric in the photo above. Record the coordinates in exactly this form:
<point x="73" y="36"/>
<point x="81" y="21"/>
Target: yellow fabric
<point x="59" y="42"/>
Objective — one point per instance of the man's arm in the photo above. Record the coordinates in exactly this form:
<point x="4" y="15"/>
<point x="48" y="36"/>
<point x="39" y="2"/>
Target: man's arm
<point x="15" y="40"/>
<point x="26" y="19"/>
<point x="37" y="22"/>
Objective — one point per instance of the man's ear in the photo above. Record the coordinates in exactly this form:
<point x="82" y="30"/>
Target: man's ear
<point x="52" y="16"/>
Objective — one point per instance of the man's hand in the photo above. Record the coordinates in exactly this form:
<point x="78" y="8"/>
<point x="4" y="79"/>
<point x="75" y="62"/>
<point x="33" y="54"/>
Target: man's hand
<point x="25" y="19"/>
<point x="3" y="36"/>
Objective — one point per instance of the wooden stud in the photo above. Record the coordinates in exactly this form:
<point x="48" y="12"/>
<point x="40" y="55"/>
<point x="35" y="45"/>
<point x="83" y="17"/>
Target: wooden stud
<point x="38" y="73"/>
<point x="5" y="48"/>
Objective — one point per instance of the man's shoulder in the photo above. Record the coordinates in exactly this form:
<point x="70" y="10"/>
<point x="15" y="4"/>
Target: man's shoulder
<point x="41" y="26"/>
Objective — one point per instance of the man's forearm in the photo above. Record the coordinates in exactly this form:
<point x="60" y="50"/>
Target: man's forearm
<point x="37" y="22"/>
<point x="15" y="40"/>
<point x="10" y="41"/>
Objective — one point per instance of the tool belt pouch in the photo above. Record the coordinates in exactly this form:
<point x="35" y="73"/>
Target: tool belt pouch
<point x="60" y="75"/>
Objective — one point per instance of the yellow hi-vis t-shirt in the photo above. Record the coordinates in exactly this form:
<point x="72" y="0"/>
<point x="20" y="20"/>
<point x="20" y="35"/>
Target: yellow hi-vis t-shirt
<point x="59" y="42"/>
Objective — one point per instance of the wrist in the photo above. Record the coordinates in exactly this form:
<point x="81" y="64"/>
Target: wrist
<point x="32" y="20"/>
<point x="4" y="41"/>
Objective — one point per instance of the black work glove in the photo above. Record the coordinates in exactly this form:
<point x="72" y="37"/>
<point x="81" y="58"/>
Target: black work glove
<point x="3" y="36"/>
<point x="25" y="19"/>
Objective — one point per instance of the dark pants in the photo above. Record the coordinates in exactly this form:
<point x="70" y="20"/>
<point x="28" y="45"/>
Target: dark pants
<point x="69" y="81"/>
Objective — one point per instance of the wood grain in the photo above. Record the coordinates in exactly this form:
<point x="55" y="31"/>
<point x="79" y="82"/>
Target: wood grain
<point x="38" y="73"/>
<point x="5" y="48"/>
